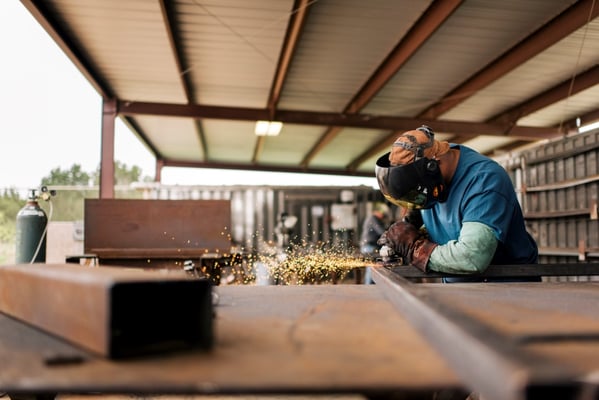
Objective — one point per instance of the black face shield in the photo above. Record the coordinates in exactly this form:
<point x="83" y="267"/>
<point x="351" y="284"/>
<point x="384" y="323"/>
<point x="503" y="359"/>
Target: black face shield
<point x="415" y="185"/>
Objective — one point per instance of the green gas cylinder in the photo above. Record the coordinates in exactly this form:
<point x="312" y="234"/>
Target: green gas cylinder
<point x="31" y="232"/>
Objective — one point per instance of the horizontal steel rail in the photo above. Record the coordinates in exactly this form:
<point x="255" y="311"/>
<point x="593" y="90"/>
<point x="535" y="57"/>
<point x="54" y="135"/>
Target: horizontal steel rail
<point x="488" y="361"/>
<point x="507" y="271"/>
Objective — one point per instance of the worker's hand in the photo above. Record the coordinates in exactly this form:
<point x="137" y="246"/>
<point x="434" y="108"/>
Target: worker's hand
<point x="401" y="237"/>
<point x="407" y="242"/>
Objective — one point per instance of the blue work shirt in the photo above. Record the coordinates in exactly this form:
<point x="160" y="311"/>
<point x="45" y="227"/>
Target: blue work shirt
<point x="482" y="191"/>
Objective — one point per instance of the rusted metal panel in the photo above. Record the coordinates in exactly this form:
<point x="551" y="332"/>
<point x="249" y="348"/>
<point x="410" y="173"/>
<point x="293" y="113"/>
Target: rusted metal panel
<point x="255" y="210"/>
<point x="561" y="186"/>
<point x="155" y="228"/>
<point x="268" y="339"/>
<point x="114" y="312"/>
<point x="507" y="341"/>
<point x="507" y="271"/>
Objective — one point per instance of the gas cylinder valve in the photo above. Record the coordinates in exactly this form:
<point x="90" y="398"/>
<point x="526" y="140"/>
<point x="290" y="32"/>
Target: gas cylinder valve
<point x="45" y="194"/>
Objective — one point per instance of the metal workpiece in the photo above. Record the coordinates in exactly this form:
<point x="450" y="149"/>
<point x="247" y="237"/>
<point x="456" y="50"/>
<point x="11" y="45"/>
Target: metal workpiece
<point x="309" y="339"/>
<point x="507" y="340"/>
<point x="506" y="272"/>
<point x="110" y="312"/>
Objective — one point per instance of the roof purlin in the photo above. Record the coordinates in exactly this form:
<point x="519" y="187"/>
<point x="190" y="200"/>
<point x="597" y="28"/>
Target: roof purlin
<point x="561" y="26"/>
<point x="419" y="33"/>
<point x="178" y="55"/>
<point x="292" y="36"/>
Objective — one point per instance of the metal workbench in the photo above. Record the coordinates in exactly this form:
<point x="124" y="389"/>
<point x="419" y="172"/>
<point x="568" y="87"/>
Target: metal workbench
<point x="508" y="340"/>
<point x="269" y="339"/>
<point x="505" y="341"/>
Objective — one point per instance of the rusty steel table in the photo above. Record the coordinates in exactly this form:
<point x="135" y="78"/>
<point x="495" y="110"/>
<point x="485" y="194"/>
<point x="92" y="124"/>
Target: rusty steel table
<point x="269" y="339"/>
<point x="508" y="340"/>
<point x="505" y="341"/>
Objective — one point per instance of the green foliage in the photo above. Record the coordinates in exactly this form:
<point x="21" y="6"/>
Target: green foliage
<point x="10" y="204"/>
<point x="68" y="204"/>
<point x="73" y="186"/>
<point x="123" y="175"/>
<point x="73" y="176"/>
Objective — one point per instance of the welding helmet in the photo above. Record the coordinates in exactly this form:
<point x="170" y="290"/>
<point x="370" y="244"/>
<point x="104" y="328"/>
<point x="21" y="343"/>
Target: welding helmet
<point x="417" y="184"/>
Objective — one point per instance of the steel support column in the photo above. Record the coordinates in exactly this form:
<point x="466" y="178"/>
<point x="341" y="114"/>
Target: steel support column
<point x="109" y="113"/>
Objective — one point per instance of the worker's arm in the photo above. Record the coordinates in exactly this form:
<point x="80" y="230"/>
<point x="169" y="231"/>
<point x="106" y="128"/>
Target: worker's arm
<point x="472" y="252"/>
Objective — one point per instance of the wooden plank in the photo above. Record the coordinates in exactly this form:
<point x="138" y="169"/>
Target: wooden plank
<point x="113" y="312"/>
<point x="161" y="227"/>
<point x="268" y="340"/>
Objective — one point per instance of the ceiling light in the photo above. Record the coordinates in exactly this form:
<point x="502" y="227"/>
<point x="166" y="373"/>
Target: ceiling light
<point x="268" y="128"/>
<point x="588" y="127"/>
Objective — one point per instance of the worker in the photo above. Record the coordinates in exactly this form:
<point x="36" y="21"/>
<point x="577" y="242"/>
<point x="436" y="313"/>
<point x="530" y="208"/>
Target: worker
<point x="373" y="227"/>
<point x="470" y="213"/>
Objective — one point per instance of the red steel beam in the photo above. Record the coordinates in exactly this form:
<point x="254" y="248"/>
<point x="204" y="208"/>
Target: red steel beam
<point x="422" y="30"/>
<point x="131" y="108"/>
<point x="572" y="19"/>
<point x="294" y="31"/>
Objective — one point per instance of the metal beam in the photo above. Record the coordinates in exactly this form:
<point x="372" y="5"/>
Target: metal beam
<point x="136" y="129"/>
<point x="567" y="127"/>
<point x="170" y="23"/>
<point x="292" y="37"/>
<point x="297" y="20"/>
<point x="420" y="32"/>
<point x="131" y="108"/>
<point x="563" y="90"/>
<point x="560" y="27"/>
<point x="563" y="25"/>
<point x="262" y="167"/>
<point x="507" y="271"/>
<point x="109" y="114"/>
<point x="113" y="312"/>
<point x="381" y="147"/>
<point x="488" y="360"/>
<point x="587" y="118"/>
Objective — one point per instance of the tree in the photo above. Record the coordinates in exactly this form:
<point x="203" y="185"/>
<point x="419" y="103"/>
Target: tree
<point x="123" y="175"/>
<point x="66" y="206"/>
<point x="10" y="204"/>
<point x="69" y="204"/>
<point x="73" y="177"/>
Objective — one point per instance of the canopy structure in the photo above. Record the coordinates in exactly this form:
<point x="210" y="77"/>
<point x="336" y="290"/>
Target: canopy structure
<point x="192" y="77"/>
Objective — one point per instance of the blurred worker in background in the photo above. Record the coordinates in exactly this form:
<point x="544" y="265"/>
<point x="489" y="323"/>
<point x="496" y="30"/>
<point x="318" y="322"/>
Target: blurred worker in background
<point x="467" y="202"/>
<point x="373" y="227"/>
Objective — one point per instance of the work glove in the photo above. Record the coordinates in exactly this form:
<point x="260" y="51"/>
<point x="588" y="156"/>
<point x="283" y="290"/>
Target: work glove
<point x="406" y="241"/>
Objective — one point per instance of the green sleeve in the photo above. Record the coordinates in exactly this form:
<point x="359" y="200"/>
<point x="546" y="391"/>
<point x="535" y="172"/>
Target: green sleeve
<point x="472" y="252"/>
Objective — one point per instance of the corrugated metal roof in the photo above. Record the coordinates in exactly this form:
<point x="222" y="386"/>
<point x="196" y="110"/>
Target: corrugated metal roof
<point x="190" y="77"/>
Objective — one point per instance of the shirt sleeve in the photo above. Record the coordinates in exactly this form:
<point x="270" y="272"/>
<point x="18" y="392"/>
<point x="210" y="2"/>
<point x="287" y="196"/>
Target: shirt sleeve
<point x="472" y="252"/>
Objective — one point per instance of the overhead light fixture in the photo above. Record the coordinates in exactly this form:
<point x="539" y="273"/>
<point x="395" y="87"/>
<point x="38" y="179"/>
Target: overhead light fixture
<point x="588" y="127"/>
<point x="268" y="128"/>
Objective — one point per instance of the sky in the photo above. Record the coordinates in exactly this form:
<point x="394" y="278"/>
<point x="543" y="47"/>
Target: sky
<point x="50" y="117"/>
